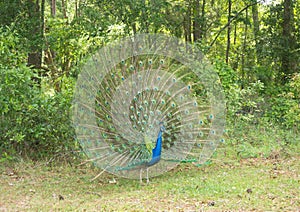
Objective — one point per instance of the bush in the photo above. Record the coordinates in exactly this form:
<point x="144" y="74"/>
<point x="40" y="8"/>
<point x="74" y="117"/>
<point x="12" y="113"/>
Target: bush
<point x="33" y="124"/>
<point x="262" y="139"/>
<point x="11" y="48"/>
<point x="284" y="106"/>
<point x="245" y="103"/>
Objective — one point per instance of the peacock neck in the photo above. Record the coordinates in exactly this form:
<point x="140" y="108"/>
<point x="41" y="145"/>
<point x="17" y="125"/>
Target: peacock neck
<point x="157" y="148"/>
<point x="156" y="152"/>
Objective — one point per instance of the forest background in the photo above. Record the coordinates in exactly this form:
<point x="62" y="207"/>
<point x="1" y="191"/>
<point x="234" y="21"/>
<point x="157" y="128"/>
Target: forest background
<point x="253" y="45"/>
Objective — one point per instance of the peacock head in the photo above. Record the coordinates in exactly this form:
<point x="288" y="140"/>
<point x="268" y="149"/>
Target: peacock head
<point x="162" y="127"/>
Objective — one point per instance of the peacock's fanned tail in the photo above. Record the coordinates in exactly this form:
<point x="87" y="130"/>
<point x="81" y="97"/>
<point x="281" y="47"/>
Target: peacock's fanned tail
<point x="129" y="88"/>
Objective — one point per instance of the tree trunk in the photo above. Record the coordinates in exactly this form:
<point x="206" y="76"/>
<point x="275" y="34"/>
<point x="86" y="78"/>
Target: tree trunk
<point x="134" y="28"/>
<point x="34" y="34"/>
<point x="288" y="62"/>
<point x="244" y="51"/>
<point x="53" y="8"/>
<point x="228" y="32"/>
<point x="42" y="21"/>
<point x="144" y="17"/>
<point x="202" y="21"/>
<point x="234" y="34"/>
<point x="256" y="23"/>
<point x="196" y="21"/>
<point x="187" y="24"/>
<point x="76" y="9"/>
<point x="64" y="9"/>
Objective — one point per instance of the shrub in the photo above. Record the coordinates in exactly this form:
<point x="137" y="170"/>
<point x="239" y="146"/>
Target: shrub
<point x="11" y="48"/>
<point x="285" y="105"/>
<point x="245" y="103"/>
<point x="33" y="124"/>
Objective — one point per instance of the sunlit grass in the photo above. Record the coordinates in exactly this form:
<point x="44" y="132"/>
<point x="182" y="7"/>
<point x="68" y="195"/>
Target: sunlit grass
<point x="256" y="169"/>
<point x="247" y="184"/>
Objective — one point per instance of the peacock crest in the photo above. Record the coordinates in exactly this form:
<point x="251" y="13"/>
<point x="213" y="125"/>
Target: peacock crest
<point x="148" y="102"/>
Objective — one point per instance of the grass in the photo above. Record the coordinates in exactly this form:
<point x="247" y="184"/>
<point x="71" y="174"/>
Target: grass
<point x="258" y="169"/>
<point x="256" y="184"/>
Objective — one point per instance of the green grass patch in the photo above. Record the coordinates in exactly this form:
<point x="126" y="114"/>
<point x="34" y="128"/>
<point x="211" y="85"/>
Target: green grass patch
<point x="256" y="169"/>
<point x="250" y="184"/>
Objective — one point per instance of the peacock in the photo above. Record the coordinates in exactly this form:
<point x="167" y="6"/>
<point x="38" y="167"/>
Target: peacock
<point x="148" y="102"/>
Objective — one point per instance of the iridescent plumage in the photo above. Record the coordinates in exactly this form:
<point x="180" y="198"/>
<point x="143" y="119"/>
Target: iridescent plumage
<point x="148" y="102"/>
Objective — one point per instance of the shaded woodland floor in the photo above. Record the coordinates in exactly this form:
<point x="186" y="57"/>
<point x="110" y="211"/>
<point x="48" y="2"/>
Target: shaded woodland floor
<point x="255" y="184"/>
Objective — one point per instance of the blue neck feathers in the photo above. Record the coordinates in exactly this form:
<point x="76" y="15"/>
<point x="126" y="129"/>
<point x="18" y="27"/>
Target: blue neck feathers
<point x="156" y="152"/>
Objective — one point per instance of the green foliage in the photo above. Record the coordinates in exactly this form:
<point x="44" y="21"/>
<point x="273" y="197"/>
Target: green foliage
<point x="12" y="51"/>
<point x="243" y="102"/>
<point x="9" y="11"/>
<point x="285" y="105"/>
<point x="260" y="139"/>
<point x="295" y="86"/>
<point x="35" y="120"/>
<point x="227" y="76"/>
<point x="69" y="42"/>
<point x="279" y="39"/>
<point x="33" y="124"/>
<point x="246" y="103"/>
<point x="265" y="75"/>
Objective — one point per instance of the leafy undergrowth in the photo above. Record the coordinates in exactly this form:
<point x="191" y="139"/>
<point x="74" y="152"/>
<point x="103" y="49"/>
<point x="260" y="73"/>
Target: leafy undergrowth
<point x="247" y="184"/>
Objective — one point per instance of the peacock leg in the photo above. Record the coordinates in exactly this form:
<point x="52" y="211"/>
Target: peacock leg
<point x="147" y="175"/>
<point x="141" y="172"/>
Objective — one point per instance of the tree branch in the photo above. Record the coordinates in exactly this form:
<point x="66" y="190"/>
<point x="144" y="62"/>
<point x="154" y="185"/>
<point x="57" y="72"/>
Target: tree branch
<point x="229" y="22"/>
